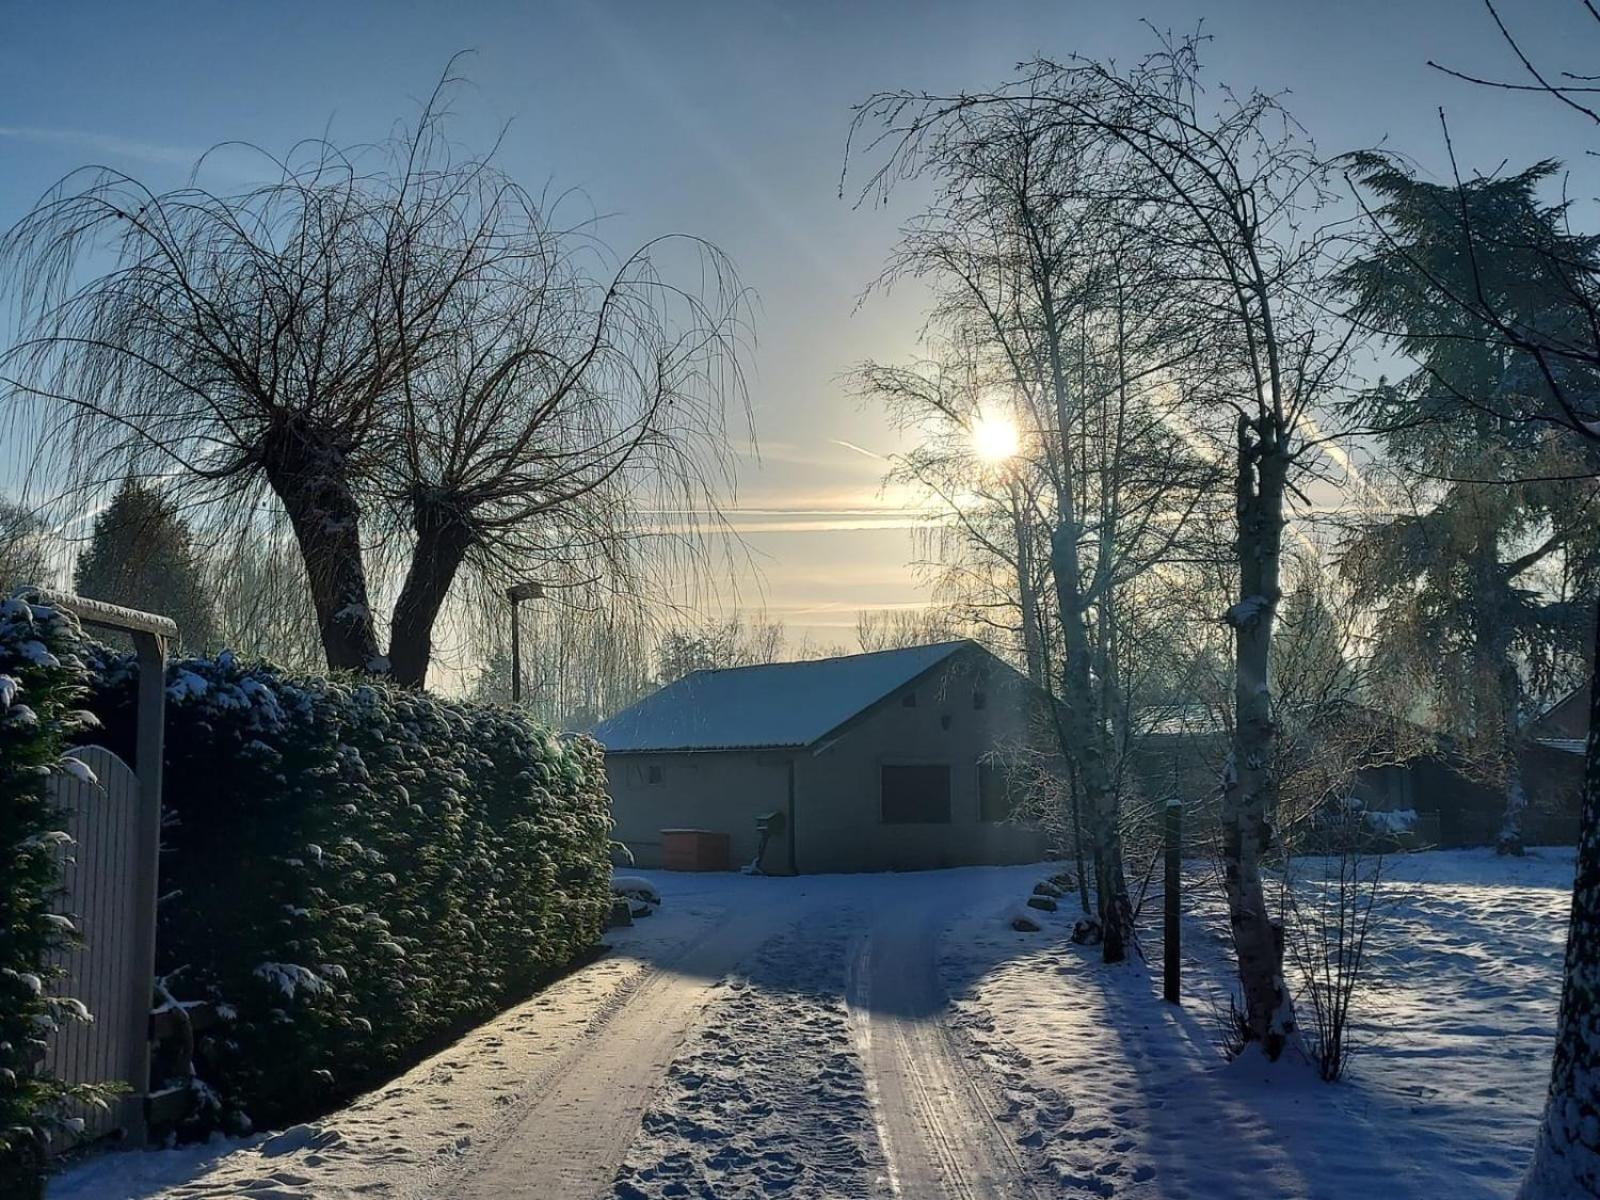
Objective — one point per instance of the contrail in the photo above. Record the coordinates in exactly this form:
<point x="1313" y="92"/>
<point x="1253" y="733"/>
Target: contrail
<point x="858" y="449"/>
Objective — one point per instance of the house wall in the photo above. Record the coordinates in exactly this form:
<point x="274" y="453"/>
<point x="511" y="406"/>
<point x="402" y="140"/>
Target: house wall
<point x="838" y="817"/>
<point x="722" y="791"/>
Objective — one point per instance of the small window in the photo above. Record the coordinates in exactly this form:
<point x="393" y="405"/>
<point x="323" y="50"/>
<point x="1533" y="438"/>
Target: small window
<point x="916" y="795"/>
<point x="999" y="790"/>
<point x="944" y="720"/>
<point x="655" y="772"/>
<point x="909" y="700"/>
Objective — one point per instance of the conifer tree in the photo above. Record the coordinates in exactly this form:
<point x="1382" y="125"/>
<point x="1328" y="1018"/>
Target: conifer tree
<point x="141" y="556"/>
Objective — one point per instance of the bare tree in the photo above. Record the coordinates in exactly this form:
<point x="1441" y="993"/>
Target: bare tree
<point x="1222" y="197"/>
<point x="405" y="352"/>
<point x="1035" y="291"/>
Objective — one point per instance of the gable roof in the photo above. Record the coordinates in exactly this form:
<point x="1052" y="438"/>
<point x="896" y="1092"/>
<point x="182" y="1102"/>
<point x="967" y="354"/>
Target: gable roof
<point x="771" y="705"/>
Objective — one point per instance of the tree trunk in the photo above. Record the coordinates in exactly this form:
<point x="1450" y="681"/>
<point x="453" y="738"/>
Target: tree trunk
<point x="441" y="547"/>
<point x="1087" y="738"/>
<point x="1509" y="839"/>
<point x="1027" y="594"/>
<point x="310" y="478"/>
<point x="1249" y="790"/>
<point x="1077" y="845"/>
<point x="1566" y="1157"/>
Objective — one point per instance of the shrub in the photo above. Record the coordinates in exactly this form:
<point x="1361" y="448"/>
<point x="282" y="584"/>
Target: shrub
<point x="352" y="870"/>
<point x="42" y="680"/>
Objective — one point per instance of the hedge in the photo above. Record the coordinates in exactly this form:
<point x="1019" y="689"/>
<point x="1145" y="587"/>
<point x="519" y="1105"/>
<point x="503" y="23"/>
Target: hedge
<point x="353" y="871"/>
<point x="42" y="681"/>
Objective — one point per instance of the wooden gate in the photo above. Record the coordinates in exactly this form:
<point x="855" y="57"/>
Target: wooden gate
<point x="107" y="878"/>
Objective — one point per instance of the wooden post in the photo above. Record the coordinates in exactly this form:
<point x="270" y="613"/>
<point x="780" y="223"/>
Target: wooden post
<point x="151" y="751"/>
<point x="516" y="655"/>
<point x="1173" y="929"/>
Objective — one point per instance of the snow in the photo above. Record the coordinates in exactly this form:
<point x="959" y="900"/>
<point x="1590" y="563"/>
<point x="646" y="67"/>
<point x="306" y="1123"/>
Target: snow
<point x="79" y="770"/>
<point x="1121" y="1092"/>
<point x="635" y="885"/>
<point x="1395" y="820"/>
<point x="770" y="1036"/>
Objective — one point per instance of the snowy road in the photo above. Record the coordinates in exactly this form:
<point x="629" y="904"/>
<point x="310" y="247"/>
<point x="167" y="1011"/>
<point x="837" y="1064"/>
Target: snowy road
<point x="757" y="1037"/>
<point x="792" y="1037"/>
<point x="935" y="1115"/>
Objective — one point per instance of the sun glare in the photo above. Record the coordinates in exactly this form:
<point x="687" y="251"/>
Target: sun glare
<point x="994" y="437"/>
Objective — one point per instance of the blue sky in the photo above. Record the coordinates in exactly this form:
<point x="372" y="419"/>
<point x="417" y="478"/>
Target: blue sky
<point x="728" y="120"/>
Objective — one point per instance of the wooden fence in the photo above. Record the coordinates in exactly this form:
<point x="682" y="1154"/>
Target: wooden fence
<point x="107" y="875"/>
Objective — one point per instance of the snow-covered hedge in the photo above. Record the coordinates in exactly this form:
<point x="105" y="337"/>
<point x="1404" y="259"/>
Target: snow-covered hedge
<point x="352" y="871"/>
<point x="42" y="683"/>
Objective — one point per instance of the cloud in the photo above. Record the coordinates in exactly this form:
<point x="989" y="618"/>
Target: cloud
<point x="104" y="143"/>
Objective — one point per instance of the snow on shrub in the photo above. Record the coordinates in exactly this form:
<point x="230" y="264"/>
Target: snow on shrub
<point x="42" y="680"/>
<point x="353" y="871"/>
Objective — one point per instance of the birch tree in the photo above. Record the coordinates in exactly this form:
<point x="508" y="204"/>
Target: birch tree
<point x="1061" y="340"/>
<point x="1225" y="193"/>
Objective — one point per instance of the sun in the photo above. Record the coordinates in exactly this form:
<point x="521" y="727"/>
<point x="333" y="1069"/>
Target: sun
<point x="994" y="437"/>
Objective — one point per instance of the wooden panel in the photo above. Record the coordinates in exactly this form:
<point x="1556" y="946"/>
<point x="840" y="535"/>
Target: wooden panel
<point x="694" y="850"/>
<point x="102" y="879"/>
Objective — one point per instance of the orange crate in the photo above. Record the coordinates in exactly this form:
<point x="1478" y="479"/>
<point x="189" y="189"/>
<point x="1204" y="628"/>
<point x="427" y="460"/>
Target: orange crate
<point x="694" y="850"/>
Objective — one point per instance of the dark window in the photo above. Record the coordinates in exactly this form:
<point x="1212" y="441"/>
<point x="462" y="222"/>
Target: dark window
<point x="916" y="795"/>
<point x="655" y="773"/>
<point x="909" y="700"/>
<point x="944" y="721"/>
<point x="998" y="792"/>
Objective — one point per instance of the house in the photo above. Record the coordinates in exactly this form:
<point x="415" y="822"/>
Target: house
<point x="874" y="761"/>
<point x="1410" y="778"/>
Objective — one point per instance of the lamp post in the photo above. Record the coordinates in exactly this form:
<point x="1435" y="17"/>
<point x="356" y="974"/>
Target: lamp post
<point x="517" y="593"/>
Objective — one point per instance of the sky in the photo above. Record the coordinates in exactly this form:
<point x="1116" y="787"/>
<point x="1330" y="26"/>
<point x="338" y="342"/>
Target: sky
<point x="728" y="120"/>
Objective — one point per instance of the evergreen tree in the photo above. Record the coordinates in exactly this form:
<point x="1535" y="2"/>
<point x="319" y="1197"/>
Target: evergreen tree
<point x="142" y="556"/>
<point x="1475" y="584"/>
<point x="24" y="550"/>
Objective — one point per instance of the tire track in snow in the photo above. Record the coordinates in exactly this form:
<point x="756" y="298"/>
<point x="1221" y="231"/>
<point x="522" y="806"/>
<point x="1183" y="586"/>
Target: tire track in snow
<point x="571" y="1136"/>
<point x="939" y="1131"/>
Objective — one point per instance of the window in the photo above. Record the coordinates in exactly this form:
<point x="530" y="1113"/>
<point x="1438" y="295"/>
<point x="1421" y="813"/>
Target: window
<point x="655" y="772"/>
<point x="998" y="792"/>
<point x="916" y="795"/>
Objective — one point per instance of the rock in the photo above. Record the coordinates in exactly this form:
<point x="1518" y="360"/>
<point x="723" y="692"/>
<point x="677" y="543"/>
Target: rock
<point x="1023" y="923"/>
<point x="621" y="912"/>
<point x="1087" y="932"/>
<point x="1047" y="889"/>
<point x="1064" y="880"/>
<point x="1043" y="903"/>
<point x="641" y="908"/>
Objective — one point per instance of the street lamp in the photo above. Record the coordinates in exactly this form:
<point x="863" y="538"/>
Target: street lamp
<point x="517" y="593"/>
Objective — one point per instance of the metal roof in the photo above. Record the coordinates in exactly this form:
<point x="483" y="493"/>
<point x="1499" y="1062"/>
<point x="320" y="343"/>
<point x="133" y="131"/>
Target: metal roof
<point x="772" y="705"/>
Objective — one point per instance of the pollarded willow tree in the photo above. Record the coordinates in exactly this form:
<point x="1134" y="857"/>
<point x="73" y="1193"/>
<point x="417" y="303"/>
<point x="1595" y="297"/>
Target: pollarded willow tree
<point x="425" y="372"/>
<point x="1223" y="195"/>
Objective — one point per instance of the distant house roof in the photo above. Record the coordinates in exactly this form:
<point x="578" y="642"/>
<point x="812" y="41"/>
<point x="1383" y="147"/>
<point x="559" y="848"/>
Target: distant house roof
<point x="771" y="705"/>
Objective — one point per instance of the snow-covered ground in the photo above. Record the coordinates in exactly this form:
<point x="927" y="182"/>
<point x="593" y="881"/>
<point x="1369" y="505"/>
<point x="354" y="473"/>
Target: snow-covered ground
<point x="765" y="1037"/>
<point x="1122" y="1095"/>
